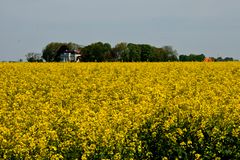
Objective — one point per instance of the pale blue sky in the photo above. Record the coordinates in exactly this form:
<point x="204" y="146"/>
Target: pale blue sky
<point x="210" y="27"/>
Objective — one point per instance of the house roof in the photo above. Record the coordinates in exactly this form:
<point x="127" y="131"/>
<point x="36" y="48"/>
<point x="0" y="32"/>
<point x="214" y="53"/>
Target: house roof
<point x="73" y="51"/>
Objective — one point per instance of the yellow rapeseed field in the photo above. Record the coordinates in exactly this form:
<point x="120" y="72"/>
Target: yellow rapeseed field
<point x="116" y="111"/>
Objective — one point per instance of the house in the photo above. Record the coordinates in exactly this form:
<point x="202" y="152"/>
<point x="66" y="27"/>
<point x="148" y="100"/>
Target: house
<point x="70" y="56"/>
<point x="208" y="59"/>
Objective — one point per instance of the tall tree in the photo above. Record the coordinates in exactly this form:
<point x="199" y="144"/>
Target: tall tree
<point x="120" y="52"/>
<point x="146" y="51"/>
<point x="96" y="52"/>
<point x="158" y="55"/>
<point x="49" y="53"/>
<point x="134" y="52"/>
<point x="171" y="54"/>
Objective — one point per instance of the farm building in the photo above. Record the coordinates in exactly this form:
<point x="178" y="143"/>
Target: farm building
<point x="208" y="59"/>
<point x="70" y="56"/>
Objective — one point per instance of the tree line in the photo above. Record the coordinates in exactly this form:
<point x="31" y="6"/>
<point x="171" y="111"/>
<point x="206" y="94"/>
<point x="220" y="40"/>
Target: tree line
<point x="123" y="52"/>
<point x="103" y="52"/>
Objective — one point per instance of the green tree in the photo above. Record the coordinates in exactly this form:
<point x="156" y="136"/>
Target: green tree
<point x="146" y="51"/>
<point x="134" y="52"/>
<point x="183" y="58"/>
<point x="96" y="52"/>
<point x="163" y="54"/>
<point x="74" y="46"/>
<point x="33" y="57"/>
<point x="171" y="54"/>
<point x="219" y="59"/>
<point x="120" y="52"/>
<point x="200" y="57"/>
<point x="49" y="53"/>
<point x="192" y="57"/>
<point x="158" y="55"/>
<point x="228" y="59"/>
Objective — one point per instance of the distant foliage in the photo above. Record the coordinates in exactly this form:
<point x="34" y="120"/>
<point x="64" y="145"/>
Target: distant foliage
<point x="33" y="57"/>
<point x="122" y="52"/>
<point x="52" y="52"/>
<point x="192" y="57"/>
<point x="103" y="52"/>
<point x="120" y="110"/>
<point x="97" y="52"/>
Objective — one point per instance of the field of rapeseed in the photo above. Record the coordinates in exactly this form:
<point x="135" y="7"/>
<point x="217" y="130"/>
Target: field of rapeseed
<point x="120" y="110"/>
